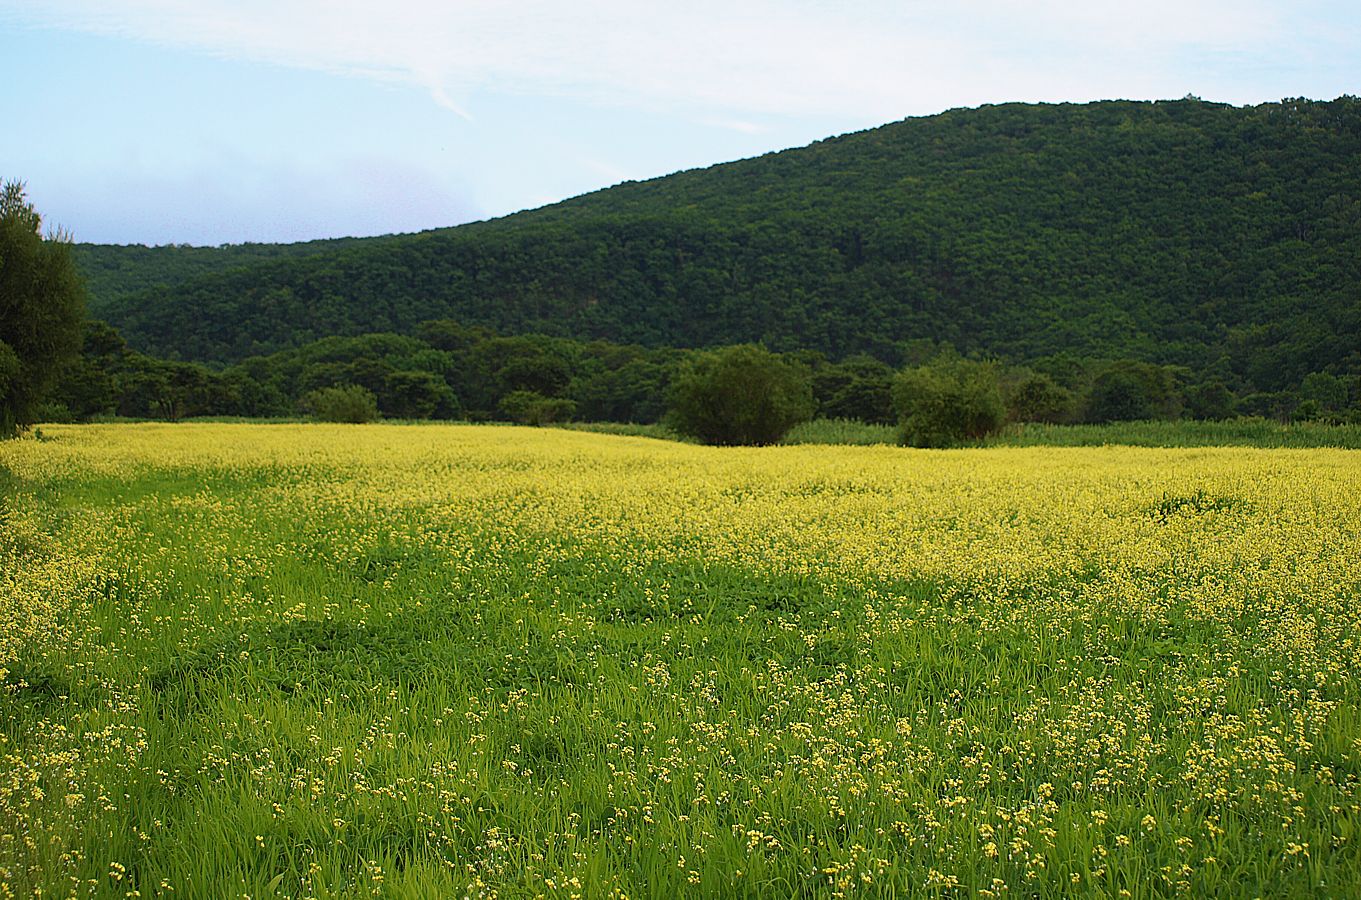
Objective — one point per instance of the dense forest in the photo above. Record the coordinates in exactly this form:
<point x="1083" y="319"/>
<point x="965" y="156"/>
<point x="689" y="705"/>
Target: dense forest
<point x="1219" y="238"/>
<point x="114" y="270"/>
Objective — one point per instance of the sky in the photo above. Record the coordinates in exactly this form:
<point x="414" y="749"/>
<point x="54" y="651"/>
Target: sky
<point x="226" y="121"/>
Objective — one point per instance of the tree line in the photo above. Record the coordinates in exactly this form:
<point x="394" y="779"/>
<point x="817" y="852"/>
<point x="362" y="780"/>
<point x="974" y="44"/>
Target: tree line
<point x="741" y="394"/>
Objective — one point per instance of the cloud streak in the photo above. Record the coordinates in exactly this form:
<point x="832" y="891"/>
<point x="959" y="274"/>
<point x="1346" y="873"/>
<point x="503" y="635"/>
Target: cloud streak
<point x="717" y="59"/>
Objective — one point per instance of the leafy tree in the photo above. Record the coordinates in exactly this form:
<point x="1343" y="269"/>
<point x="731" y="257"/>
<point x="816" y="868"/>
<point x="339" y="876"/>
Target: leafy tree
<point x="633" y="391"/>
<point x="1328" y="391"/>
<point x="1127" y="390"/>
<point x="1211" y="400"/>
<point x="11" y="372"/>
<point x="191" y="391"/>
<point x="413" y="394"/>
<point x="1038" y="398"/>
<point x="533" y="408"/>
<point x="540" y="373"/>
<point x="858" y="388"/>
<point x="144" y="387"/>
<point x="343" y="403"/>
<point x="256" y="394"/>
<point x="447" y="334"/>
<point x="742" y="394"/>
<point x="42" y="307"/>
<point x="948" y="402"/>
<point x="88" y="386"/>
<point x="1278" y="405"/>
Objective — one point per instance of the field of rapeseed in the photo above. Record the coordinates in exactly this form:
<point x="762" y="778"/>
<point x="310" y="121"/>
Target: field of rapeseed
<point x="310" y="661"/>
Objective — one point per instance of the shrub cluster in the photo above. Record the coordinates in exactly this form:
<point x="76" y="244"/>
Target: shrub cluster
<point x="740" y="395"/>
<point x="343" y="403"/>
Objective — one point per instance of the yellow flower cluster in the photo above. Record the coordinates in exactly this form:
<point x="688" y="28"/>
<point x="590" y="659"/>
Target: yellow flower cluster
<point x="541" y="662"/>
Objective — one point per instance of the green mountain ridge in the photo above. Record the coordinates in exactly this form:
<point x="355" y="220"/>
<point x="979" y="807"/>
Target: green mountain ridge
<point x="1182" y="232"/>
<point x="114" y="270"/>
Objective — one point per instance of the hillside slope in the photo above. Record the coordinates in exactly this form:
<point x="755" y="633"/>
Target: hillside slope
<point x="114" y="270"/>
<point x="1180" y="232"/>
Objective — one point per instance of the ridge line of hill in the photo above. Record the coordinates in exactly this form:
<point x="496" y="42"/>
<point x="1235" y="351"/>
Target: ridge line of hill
<point x="1179" y="232"/>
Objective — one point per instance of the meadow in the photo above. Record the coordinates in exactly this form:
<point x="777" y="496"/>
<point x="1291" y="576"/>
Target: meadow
<point x="349" y="661"/>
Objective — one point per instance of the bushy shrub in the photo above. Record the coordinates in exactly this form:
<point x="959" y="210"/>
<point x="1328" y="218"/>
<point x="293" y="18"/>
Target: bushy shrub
<point x="742" y="394"/>
<point x="948" y="402"/>
<point x="1038" y="398"/>
<point x="533" y="408"/>
<point x="346" y="403"/>
<point x="413" y="394"/>
<point x="1211" y="400"/>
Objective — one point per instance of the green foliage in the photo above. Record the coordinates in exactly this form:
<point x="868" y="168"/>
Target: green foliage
<point x="1211" y="400"/>
<point x="1036" y="397"/>
<point x="948" y="402"/>
<point x="1016" y="231"/>
<point x="420" y="378"/>
<point x="742" y="394"/>
<point x="1329" y="392"/>
<point x="87" y="386"/>
<point x="539" y="373"/>
<point x="841" y="431"/>
<point x="342" y="403"/>
<point x="456" y="373"/>
<point x="42" y="305"/>
<point x="1128" y="390"/>
<point x="859" y="388"/>
<point x="533" y="408"/>
<point x="113" y="270"/>
<point x="415" y="394"/>
<point x="1239" y="432"/>
<point x="1278" y="405"/>
<point x="10" y="371"/>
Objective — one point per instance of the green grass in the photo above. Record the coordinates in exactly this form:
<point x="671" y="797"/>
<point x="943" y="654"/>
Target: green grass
<point x="1231" y="433"/>
<point x="260" y="690"/>
<point x="1247" y="432"/>
<point x="841" y="431"/>
<point x="658" y="431"/>
<point x="1186" y="433"/>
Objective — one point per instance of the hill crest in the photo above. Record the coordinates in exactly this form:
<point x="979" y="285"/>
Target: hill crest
<point x="1176" y="231"/>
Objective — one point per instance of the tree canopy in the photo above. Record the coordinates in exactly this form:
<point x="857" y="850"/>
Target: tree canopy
<point x="740" y="395"/>
<point x="948" y="401"/>
<point x="42" y="306"/>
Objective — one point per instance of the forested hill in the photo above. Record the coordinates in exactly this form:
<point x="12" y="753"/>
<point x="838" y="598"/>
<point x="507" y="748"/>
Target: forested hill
<point x="1178" y="232"/>
<point x="113" y="270"/>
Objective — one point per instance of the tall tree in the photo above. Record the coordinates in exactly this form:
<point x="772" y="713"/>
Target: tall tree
<point x="42" y="308"/>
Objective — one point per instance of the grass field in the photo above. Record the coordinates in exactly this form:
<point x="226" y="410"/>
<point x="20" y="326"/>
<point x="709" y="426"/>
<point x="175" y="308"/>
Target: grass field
<point x="331" y="661"/>
<point x="1246" y="432"/>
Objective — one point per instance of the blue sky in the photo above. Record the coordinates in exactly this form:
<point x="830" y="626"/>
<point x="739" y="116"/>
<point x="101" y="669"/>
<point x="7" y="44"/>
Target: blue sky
<point x="221" y="121"/>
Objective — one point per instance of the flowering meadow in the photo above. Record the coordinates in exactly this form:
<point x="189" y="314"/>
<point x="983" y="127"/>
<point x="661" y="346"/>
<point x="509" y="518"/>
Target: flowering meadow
<point x="426" y="661"/>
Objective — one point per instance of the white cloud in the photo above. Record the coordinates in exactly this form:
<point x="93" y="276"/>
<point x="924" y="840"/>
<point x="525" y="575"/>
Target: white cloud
<point x="740" y="126"/>
<point x="727" y="61"/>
